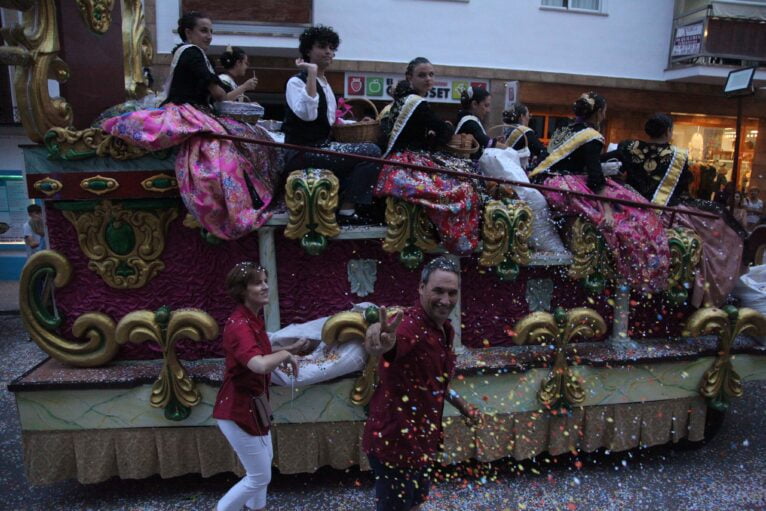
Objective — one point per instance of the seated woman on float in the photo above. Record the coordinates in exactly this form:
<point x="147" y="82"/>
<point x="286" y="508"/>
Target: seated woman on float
<point x="236" y="63"/>
<point x="497" y="160"/>
<point x="226" y="188"/>
<point x="660" y="172"/>
<point x="635" y="236"/>
<point x="411" y="134"/>
<point x="522" y="138"/>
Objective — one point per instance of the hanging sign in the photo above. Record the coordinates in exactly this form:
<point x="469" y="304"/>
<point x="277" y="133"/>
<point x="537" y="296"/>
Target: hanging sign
<point x="378" y="86"/>
<point x="511" y="94"/>
<point x="688" y="40"/>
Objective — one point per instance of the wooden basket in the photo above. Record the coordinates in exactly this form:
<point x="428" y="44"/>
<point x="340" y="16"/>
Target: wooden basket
<point x="362" y="131"/>
<point x="462" y="145"/>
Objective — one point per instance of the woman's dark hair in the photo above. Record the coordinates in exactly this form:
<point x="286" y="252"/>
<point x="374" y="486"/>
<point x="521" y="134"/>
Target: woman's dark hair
<point x="403" y="89"/>
<point x="658" y="124"/>
<point x="588" y="104"/>
<point x="240" y="276"/>
<point x="188" y="21"/>
<point x="472" y="94"/>
<point x="513" y="115"/>
<point x="231" y="56"/>
<point x="321" y="35"/>
<point x="415" y="63"/>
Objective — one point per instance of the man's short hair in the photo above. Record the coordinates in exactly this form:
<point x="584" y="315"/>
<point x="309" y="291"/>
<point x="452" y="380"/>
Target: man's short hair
<point x="34" y="208"/>
<point x="319" y="34"/>
<point x="440" y="263"/>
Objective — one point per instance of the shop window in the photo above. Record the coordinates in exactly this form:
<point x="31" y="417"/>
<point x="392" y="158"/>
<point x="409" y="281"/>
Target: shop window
<point x="710" y="143"/>
<point x="591" y="6"/>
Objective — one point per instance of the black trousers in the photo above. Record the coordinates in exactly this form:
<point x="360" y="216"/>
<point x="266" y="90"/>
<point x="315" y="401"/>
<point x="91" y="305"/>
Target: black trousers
<point x="399" y="488"/>
<point x="357" y="178"/>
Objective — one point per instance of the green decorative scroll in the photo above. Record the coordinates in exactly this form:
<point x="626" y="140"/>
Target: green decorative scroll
<point x="174" y="390"/>
<point x="409" y="232"/>
<point x="685" y="255"/>
<point x="561" y="388"/>
<point x="124" y="241"/>
<point x="48" y="186"/>
<point x="312" y="198"/>
<point x="505" y="232"/>
<point x="721" y="382"/>
<point x="44" y="271"/>
<point x="99" y="185"/>
<point x="160" y="183"/>
<point x="72" y="145"/>
<point x="97" y="14"/>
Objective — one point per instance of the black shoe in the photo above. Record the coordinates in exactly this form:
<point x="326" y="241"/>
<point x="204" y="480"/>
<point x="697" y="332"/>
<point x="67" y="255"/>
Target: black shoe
<point x="351" y="220"/>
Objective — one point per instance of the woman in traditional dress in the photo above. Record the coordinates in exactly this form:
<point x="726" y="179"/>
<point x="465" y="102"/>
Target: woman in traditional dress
<point x="475" y="106"/>
<point x="242" y="408"/>
<point x="659" y="171"/>
<point x="227" y="187"/>
<point x="498" y="160"/>
<point x="635" y="236"/>
<point x="234" y="60"/>
<point x="519" y="136"/>
<point x="411" y="133"/>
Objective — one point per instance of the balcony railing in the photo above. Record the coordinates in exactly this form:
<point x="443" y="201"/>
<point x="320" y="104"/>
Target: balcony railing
<point x="720" y="33"/>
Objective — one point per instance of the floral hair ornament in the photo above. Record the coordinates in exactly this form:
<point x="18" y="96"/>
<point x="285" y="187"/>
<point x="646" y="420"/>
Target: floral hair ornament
<point x="469" y="92"/>
<point x="587" y="96"/>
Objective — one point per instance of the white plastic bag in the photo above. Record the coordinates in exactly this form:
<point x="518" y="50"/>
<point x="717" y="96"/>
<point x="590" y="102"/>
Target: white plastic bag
<point x="751" y="288"/>
<point x="504" y="163"/>
<point x="324" y="362"/>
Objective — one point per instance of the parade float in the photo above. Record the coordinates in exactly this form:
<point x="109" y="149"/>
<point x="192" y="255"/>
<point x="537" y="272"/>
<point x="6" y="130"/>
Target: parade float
<point x="129" y="304"/>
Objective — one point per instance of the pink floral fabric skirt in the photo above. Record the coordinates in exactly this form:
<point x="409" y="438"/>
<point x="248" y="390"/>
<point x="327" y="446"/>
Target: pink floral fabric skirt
<point x="451" y="204"/>
<point x="226" y="186"/>
<point x="636" y="236"/>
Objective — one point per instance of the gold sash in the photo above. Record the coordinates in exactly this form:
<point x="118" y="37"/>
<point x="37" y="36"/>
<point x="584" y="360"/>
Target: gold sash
<point x="670" y="180"/>
<point x="410" y="104"/>
<point x="568" y="147"/>
<point x="518" y="132"/>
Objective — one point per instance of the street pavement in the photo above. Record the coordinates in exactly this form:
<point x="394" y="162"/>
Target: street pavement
<point x="729" y="473"/>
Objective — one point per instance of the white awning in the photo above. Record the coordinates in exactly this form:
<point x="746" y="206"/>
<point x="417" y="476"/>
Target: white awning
<point x="750" y="10"/>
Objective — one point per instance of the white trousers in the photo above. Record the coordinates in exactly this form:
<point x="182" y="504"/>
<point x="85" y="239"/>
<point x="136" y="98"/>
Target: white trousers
<point x="256" y="454"/>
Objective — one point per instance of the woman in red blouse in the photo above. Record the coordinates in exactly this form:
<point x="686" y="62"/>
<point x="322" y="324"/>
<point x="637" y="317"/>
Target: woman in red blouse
<point x="241" y="407"/>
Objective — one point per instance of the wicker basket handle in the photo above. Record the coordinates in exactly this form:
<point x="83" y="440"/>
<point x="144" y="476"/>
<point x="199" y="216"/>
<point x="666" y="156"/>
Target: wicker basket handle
<point x="364" y="102"/>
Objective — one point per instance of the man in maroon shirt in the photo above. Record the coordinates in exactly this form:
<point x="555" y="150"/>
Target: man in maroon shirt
<point x="403" y="433"/>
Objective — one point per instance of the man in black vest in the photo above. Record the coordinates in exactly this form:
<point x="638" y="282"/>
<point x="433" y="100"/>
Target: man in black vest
<point x="310" y="114"/>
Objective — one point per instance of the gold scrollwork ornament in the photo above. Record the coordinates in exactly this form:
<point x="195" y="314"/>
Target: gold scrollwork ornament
<point x="350" y="326"/>
<point x="49" y="269"/>
<point x="174" y="390"/>
<point x="590" y="257"/>
<point x="32" y="48"/>
<point x="721" y="381"/>
<point x="137" y="47"/>
<point x="685" y="255"/>
<point x="409" y="231"/>
<point x="69" y="144"/>
<point x="562" y="387"/>
<point x="312" y="198"/>
<point x="123" y="245"/>
<point x="505" y="234"/>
